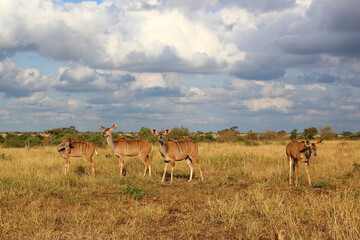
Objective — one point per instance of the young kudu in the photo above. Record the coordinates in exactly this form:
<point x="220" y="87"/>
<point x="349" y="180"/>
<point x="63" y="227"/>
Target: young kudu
<point x="68" y="148"/>
<point x="124" y="147"/>
<point x="299" y="152"/>
<point x="173" y="151"/>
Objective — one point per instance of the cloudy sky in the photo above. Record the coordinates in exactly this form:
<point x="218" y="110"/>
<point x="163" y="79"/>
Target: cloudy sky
<point x="206" y="65"/>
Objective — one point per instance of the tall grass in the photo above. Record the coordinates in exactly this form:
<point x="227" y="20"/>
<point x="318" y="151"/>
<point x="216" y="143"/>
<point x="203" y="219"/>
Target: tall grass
<point x="244" y="195"/>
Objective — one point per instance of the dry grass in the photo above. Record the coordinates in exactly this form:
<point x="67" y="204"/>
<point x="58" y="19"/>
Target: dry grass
<point x="244" y="195"/>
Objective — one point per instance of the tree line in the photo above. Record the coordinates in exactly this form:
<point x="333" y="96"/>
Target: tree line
<point x="55" y="136"/>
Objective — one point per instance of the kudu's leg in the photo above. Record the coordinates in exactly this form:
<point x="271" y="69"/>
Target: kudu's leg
<point x="297" y="172"/>
<point x="165" y="167"/>
<point x="193" y="158"/>
<point x="191" y="165"/>
<point x="290" y="168"/>
<point x="67" y="164"/>
<point x="121" y="163"/>
<point x="146" y="163"/>
<point x="308" y="171"/>
<point x="172" y="165"/>
<point x="92" y="164"/>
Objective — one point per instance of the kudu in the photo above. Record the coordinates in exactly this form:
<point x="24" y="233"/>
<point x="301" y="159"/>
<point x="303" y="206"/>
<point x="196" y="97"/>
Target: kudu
<point x="125" y="147"/>
<point x="68" y="148"/>
<point x="299" y="152"/>
<point x="173" y="151"/>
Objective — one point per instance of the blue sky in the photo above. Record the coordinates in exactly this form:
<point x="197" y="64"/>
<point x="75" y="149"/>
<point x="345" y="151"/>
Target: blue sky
<point x="206" y="65"/>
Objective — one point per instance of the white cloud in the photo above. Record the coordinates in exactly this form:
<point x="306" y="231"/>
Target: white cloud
<point x="314" y="87"/>
<point x="279" y="104"/>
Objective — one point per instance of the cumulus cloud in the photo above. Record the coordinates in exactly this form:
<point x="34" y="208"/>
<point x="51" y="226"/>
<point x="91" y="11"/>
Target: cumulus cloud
<point x="206" y="63"/>
<point x="280" y="104"/>
<point x="18" y="81"/>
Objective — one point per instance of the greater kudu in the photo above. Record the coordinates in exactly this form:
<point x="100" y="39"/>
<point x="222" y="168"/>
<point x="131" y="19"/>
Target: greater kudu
<point x="125" y="147"/>
<point x="297" y="152"/>
<point x="173" y="151"/>
<point x="68" y="148"/>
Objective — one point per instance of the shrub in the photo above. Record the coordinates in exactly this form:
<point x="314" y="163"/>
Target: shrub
<point x="252" y="136"/>
<point x="146" y="133"/>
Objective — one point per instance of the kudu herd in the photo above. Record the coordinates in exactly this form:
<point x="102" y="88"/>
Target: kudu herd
<point x="172" y="151"/>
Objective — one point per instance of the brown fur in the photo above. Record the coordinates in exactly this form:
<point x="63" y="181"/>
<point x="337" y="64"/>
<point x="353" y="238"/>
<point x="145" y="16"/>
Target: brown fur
<point x="297" y="152"/>
<point x="124" y="147"/>
<point x="173" y="151"/>
<point x="68" y="148"/>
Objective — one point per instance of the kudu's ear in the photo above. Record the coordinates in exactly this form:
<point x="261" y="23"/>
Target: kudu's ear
<point x="102" y="128"/>
<point x="113" y="127"/>
<point x="167" y="131"/>
<point x="154" y="132"/>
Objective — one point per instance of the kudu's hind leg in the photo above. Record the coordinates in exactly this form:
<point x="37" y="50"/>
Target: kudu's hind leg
<point x="92" y="164"/>
<point x="146" y="163"/>
<point x="291" y="168"/>
<point x="191" y="165"/>
<point x="195" y="159"/>
<point x="308" y="171"/>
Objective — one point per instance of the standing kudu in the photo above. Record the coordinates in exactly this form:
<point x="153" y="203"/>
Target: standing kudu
<point x="68" y="148"/>
<point x="299" y="152"/>
<point x="173" y="151"/>
<point x="124" y="147"/>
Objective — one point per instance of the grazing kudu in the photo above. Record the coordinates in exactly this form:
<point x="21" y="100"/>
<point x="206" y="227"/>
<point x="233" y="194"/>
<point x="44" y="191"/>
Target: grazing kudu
<point x="299" y="152"/>
<point x="125" y="147"/>
<point x="173" y="151"/>
<point x="68" y="148"/>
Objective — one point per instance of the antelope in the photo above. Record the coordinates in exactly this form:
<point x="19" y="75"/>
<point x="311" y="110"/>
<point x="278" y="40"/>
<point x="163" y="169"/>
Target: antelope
<point x="173" y="151"/>
<point x="300" y="152"/>
<point x="124" y="147"/>
<point x="68" y="148"/>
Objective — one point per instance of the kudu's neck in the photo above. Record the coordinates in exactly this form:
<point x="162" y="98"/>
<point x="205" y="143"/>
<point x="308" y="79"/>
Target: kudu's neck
<point x="163" y="147"/>
<point x="110" y="141"/>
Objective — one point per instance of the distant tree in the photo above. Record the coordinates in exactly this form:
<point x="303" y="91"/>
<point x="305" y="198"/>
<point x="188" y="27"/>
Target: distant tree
<point x="327" y="133"/>
<point x="294" y="134"/>
<point x="178" y="133"/>
<point x="269" y="135"/>
<point x="252" y="135"/>
<point x="309" y="133"/>
<point x="346" y="134"/>
<point x="2" y="139"/>
<point x="226" y="135"/>
<point x="146" y="134"/>
<point x="234" y="129"/>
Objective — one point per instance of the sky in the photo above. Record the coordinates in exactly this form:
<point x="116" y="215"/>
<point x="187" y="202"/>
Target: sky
<point x="205" y="65"/>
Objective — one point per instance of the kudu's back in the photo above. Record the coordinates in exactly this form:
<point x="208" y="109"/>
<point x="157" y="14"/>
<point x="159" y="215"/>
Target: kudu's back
<point x="76" y="149"/>
<point x="182" y="148"/>
<point x="133" y="147"/>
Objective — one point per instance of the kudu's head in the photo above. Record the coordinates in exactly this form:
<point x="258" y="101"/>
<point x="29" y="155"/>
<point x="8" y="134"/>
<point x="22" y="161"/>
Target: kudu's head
<point x="107" y="131"/>
<point x="311" y="148"/>
<point x="65" y="145"/>
<point x="162" y="136"/>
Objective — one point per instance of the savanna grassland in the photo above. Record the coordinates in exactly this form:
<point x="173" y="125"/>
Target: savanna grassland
<point x="245" y="195"/>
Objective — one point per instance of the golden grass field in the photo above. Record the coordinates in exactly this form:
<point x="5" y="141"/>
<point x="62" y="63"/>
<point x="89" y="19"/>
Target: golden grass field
<point x="245" y="195"/>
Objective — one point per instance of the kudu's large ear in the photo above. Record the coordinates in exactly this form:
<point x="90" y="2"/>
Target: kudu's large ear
<point x="113" y="127"/>
<point x="167" y="131"/>
<point x="102" y="128"/>
<point x="154" y="132"/>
